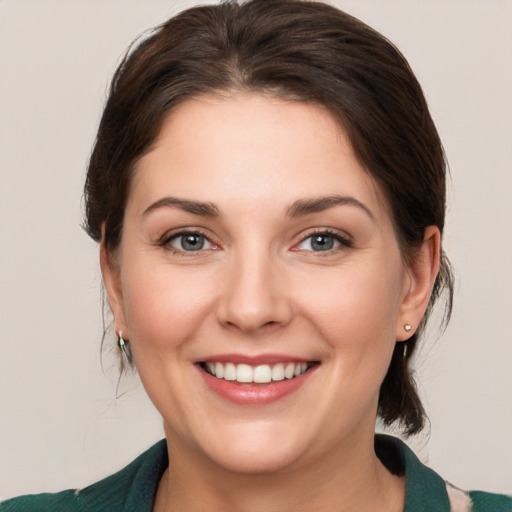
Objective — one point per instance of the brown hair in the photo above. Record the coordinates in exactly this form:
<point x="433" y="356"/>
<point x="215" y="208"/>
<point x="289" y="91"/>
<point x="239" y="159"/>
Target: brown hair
<point x="298" y="50"/>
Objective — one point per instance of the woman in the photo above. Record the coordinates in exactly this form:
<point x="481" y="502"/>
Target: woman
<point x="268" y="191"/>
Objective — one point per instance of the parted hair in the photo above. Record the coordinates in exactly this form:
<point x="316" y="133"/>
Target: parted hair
<point x="298" y="51"/>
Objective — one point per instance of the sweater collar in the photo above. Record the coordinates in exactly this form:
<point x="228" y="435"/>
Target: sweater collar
<point x="425" y="489"/>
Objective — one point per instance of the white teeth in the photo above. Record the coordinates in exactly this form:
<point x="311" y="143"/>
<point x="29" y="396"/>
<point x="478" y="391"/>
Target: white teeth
<point x="278" y="371"/>
<point x="243" y="373"/>
<point x="289" y="371"/>
<point x="219" y="370"/>
<point x="230" y="371"/>
<point x="261" y="374"/>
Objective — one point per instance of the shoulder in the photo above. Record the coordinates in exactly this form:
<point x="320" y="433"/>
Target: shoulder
<point x="489" y="502"/>
<point x="427" y="491"/>
<point x="131" y="489"/>
<point x="41" y="502"/>
<point x="477" y="501"/>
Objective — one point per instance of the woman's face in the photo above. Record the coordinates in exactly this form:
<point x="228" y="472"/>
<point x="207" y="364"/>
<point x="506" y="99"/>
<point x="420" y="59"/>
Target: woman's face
<point x="256" y="247"/>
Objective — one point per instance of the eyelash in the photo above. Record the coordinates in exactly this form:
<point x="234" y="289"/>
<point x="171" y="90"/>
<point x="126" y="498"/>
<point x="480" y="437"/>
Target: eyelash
<point x="166" y="240"/>
<point x="344" y="241"/>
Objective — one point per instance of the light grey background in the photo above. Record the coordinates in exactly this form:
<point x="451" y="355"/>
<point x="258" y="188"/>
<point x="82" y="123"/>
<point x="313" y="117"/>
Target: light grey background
<point x="60" y="424"/>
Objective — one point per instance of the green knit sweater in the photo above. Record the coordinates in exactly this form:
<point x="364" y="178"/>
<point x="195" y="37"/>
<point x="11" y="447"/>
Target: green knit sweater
<point x="133" y="488"/>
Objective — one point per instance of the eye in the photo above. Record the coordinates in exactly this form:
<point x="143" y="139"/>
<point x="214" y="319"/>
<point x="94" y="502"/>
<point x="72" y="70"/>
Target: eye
<point x="189" y="242"/>
<point x="322" y="242"/>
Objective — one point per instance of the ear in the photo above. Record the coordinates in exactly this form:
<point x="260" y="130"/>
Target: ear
<point x="112" y="282"/>
<point x="422" y="273"/>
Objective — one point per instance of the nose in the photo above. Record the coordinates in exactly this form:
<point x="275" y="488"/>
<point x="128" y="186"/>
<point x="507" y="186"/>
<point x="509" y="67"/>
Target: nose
<point x="255" y="297"/>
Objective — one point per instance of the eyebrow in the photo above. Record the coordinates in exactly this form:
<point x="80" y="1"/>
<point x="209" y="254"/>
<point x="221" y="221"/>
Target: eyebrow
<point x="194" y="207"/>
<point x="304" y="207"/>
<point x="299" y="208"/>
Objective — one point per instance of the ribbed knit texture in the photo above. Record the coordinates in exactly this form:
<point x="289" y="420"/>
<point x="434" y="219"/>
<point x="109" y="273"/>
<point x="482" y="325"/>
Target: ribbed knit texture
<point x="130" y="490"/>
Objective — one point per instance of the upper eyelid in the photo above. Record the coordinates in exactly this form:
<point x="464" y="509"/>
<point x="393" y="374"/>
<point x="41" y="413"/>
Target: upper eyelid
<point x="341" y="235"/>
<point x="173" y="233"/>
<point x="344" y="240"/>
<point x="165" y="243"/>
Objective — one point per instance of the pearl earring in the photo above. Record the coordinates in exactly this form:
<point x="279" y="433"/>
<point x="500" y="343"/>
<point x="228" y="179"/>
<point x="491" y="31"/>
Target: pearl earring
<point x="121" y="342"/>
<point x="407" y="327"/>
<point x="124" y="347"/>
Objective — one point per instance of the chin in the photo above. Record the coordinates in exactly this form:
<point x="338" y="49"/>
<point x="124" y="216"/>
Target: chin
<point x="258" y="450"/>
<point x="257" y="460"/>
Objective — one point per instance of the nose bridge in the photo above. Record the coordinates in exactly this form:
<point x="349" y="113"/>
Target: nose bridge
<point x="254" y="295"/>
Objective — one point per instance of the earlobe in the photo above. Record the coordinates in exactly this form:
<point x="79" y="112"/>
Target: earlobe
<point x="422" y="273"/>
<point x="111" y="280"/>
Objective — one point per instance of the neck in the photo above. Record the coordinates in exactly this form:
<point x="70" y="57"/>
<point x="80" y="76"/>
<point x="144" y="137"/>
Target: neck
<point x="349" y="478"/>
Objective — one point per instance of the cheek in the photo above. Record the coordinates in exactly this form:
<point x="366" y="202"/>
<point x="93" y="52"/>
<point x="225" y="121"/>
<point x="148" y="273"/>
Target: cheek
<point x="163" y="305"/>
<point x="354" y="293"/>
<point x="356" y="310"/>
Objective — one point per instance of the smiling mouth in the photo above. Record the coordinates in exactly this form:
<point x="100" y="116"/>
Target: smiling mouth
<point x="259" y="374"/>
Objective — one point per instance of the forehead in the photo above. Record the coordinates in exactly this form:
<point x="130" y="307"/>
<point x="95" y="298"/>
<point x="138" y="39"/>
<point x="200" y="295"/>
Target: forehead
<point x="254" y="149"/>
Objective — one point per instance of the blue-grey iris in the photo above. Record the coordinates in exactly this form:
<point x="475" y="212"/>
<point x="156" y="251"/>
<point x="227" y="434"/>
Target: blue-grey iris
<point x="322" y="242"/>
<point x="192" y="242"/>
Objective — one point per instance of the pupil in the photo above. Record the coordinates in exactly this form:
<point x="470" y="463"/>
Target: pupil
<point x="192" y="242"/>
<point x="322" y="243"/>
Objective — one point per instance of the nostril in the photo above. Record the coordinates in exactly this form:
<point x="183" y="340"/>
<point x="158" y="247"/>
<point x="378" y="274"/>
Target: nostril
<point x="247" y="304"/>
<point x="251" y="323"/>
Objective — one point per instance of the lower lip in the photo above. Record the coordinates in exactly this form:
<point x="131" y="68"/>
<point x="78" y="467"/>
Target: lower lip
<point x="254" y="394"/>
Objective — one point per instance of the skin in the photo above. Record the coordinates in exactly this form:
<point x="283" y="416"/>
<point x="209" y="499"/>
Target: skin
<point x="259" y="287"/>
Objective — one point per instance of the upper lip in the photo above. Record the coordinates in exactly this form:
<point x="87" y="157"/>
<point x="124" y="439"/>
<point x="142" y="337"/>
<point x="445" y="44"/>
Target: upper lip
<point x="253" y="360"/>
